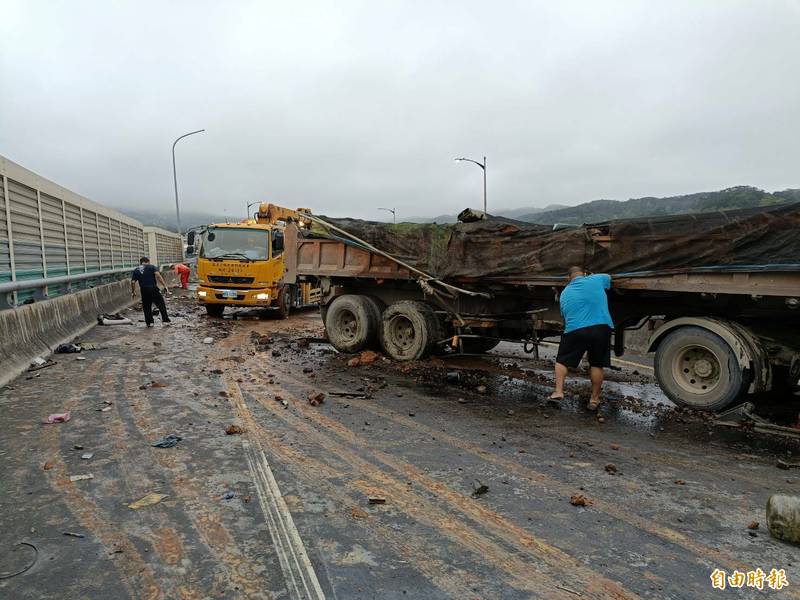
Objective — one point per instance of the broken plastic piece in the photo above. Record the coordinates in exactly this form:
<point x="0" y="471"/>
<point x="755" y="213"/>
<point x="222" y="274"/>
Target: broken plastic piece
<point x="81" y="477"/>
<point x="148" y="500"/>
<point x="168" y="441"/>
<point x="57" y="418"/>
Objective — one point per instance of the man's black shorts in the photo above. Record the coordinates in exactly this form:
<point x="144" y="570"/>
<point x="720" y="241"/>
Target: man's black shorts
<point x="594" y="340"/>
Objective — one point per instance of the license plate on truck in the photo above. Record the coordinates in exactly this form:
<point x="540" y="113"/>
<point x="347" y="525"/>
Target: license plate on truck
<point x="229" y="294"/>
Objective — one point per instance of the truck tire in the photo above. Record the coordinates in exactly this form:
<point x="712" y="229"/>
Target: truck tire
<point x="477" y="345"/>
<point x="285" y="301"/>
<point x="698" y="369"/>
<point x="409" y="330"/>
<point x="352" y="322"/>
<point x="215" y="310"/>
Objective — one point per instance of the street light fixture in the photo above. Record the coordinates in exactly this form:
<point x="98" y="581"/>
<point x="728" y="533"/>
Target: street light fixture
<point x="175" y="177"/>
<point x="482" y="166"/>
<point x="391" y="210"/>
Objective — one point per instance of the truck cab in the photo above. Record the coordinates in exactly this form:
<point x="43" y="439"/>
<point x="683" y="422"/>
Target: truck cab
<point x="242" y="264"/>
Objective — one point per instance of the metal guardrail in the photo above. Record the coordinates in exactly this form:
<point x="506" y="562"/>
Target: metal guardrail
<point x="36" y="284"/>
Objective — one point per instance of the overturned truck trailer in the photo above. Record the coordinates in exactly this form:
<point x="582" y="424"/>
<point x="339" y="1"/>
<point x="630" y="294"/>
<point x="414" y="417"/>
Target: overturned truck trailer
<point x="719" y="291"/>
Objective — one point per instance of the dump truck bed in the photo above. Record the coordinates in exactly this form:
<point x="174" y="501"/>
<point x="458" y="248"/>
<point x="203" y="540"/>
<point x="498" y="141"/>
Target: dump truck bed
<point x="320" y="257"/>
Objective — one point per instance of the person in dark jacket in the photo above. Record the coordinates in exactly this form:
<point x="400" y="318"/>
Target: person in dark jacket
<point x="587" y="330"/>
<point x="149" y="279"/>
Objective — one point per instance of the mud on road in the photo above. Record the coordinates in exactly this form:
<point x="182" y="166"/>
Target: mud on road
<point x="450" y="478"/>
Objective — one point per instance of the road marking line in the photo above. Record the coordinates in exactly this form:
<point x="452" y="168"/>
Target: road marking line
<point x="298" y="572"/>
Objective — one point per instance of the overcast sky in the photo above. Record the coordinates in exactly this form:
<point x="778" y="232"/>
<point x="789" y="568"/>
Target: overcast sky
<point x="345" y="106"/>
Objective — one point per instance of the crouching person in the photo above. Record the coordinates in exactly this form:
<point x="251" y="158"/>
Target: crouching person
<point x="587" y="330"/>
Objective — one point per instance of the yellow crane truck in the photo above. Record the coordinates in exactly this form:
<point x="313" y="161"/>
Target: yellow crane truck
<point x="242" y="264"/>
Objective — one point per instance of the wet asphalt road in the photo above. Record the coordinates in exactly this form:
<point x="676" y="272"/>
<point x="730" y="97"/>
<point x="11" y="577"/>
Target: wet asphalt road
<point x="282" y="510"/>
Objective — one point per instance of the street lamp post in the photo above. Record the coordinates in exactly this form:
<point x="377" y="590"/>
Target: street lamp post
<point x="482" y="166"/>
<point x="391" y="210"/>
<point x="175" y="177"/>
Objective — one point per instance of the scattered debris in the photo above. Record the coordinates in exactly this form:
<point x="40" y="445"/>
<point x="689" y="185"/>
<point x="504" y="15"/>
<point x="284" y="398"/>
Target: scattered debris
<point x="234" y="430"/>
<point x="49" y="465"/>
<point x="25" y="568"/>
<point x="753" y="525"/>
<point x="208" y="340"/>
<point x="168" y="441"/>
<point x="87" y="456"/>
<point x="479" y="489"/>
<point x="80" y="358"/>
<point x="316" y="398"/>
<point x="35" y="365"/>
<point x="367" y="357"/>
<point x="81" y="477"/>
<point x="566" y="589"/>
<point x="57" y="418"/>
<point x="679" y="482"/>
<point x="481" y="389"/>
<point x="376" y="499"/>
<point x="147" y="500"/>
<point x="88" y="346"/>
<point x="224" y="394"/>
<point x="76" y="535"/>
<point x="615" y="446"/>
<point x="579" y="500"/>
<point x="452" y="377"/>
<point x="350" y="394"/>
<point x="38" y="361"/>
<point x="104" y="409"/>
<point x="68" y="349"/>
<point x="611" y="468"/>
<point x="228" y="495"/>
<point x="115" y="319"/>
<point x="783" y="517"/>
<point x="782" y="464"/>
<point x="357" y="513"/>
<point x="282" y="401"/>
<point x="152" y="384"/>
<point x="247" y="499"/>
<point x="307" y="370"/>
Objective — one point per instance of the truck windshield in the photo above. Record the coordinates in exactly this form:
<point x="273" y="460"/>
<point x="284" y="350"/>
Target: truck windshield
<point x="226" y="242"/>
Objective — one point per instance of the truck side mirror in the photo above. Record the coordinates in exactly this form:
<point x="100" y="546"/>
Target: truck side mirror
<point x="190" y="238"/>
<point x="189" y="249"/>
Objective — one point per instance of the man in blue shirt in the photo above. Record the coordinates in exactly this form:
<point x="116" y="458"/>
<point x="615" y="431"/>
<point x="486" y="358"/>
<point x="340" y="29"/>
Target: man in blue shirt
<point x="149" y="278"/>
<point x="587" y="329"/>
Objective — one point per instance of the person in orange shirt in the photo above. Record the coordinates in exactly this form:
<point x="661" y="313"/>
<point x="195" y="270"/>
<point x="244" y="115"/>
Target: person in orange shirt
<point x="183" y="272"/>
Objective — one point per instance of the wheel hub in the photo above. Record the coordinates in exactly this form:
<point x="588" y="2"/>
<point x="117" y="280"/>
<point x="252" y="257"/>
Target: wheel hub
<point x="347" y="325"/>
<point x="697" y="369"/>
<point x="402" y="332"/>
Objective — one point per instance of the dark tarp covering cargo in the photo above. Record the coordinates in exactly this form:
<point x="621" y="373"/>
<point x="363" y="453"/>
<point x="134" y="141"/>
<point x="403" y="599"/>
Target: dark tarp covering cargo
<point x="495" y="247"/>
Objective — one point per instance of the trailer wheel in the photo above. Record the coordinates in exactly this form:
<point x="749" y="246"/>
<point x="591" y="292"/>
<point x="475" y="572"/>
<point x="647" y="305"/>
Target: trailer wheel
<point x="215" y="310"/>
<point x="409" y="330"/>
<point x="477" y="345"/>
<point x="698" y="369"/>
<point x="352" y="322"/>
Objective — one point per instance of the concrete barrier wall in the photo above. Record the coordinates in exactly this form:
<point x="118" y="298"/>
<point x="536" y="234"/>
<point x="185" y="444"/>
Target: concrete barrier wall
<point x="37" y="329"/>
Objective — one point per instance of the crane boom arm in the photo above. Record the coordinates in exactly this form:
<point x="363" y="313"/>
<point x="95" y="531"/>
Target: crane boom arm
<point x="272" y="213"/>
